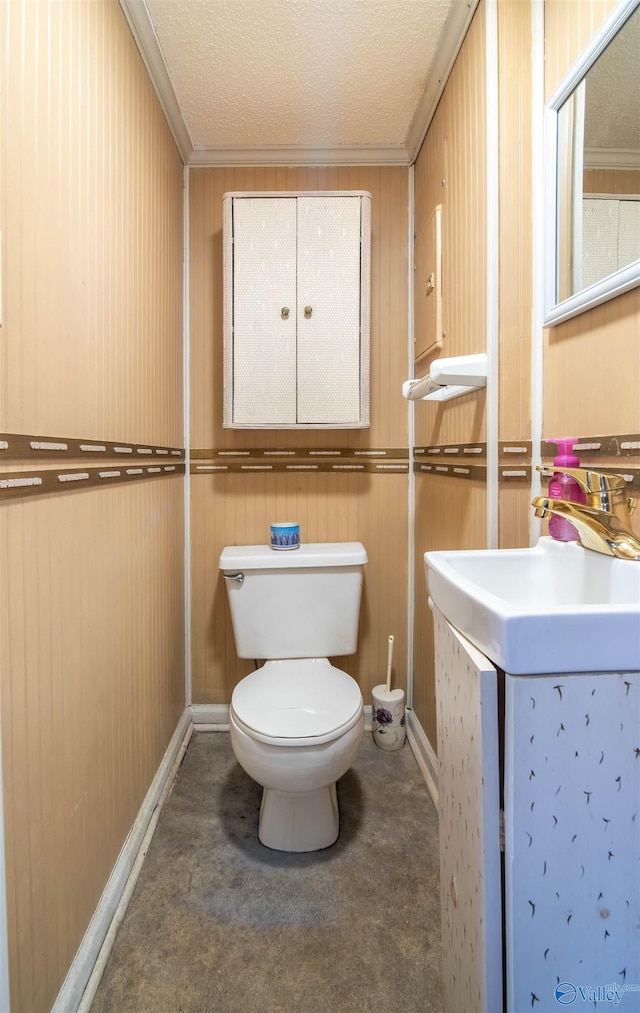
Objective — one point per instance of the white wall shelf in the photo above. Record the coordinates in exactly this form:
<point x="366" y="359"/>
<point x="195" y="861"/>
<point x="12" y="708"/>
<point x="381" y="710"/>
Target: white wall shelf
<point x="448" y="378"/>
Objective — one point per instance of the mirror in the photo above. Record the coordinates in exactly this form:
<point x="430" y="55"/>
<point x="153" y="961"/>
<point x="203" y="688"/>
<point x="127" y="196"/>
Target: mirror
<point x="592" y="185"/>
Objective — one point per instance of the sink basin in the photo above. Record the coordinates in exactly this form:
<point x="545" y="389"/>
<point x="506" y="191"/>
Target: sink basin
<point x="556" y="607"/>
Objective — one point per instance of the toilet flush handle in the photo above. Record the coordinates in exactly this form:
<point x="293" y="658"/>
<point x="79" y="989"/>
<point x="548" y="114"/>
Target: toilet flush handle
<point x="238" y="577"/>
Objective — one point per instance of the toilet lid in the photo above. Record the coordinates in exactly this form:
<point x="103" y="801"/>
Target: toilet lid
<point x="304" y="698"/>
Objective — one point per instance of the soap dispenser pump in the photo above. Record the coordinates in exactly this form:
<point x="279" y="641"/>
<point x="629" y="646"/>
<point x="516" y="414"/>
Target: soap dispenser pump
<point x="564" y="487"/>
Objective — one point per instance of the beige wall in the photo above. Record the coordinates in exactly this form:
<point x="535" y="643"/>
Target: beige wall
<point x="591" y="362"/>
<point x="91" y="582"/>
<point x="91" y="585"/>
<point x="236" y="508"/>
<point x="451" y="171"/>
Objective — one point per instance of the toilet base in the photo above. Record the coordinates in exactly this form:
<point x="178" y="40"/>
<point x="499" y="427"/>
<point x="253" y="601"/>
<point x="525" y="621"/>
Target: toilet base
<point x="299" y="821"/>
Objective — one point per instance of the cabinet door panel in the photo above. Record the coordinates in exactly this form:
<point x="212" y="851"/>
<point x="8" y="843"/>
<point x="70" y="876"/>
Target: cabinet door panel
<point x="572" y="839"/>
<point x="264" y="339"/>
<point x="329" y="284"/>
<point x="469" y="803"/>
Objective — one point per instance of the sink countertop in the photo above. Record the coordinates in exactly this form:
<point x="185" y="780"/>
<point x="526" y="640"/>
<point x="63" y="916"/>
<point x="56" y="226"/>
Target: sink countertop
<point x="555" y="607"/>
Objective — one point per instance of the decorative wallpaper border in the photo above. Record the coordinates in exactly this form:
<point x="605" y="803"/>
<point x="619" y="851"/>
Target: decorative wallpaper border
<point x="477" y="450"/>
<point x="321" y="460"/>
<point x="17" y="446"/>
<point x="476" y="472"/>
<point x="626" y="445"/>
<point x="122" y="462"/>
<point x="623" y="448"/>
<point x="515" y="458"/>
<point x="395" y="453"/>
<point x="318" y="467"/>
<point x="54" y="480"/>
<point x="514" y="466"/>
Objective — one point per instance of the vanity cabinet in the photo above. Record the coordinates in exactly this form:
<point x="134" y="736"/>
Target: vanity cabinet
<point x="296" y="310"/>
<point x="555" y="761"/>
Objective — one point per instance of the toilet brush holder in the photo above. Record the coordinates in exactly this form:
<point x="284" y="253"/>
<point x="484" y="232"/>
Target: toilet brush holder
<point x="387" y="713"/>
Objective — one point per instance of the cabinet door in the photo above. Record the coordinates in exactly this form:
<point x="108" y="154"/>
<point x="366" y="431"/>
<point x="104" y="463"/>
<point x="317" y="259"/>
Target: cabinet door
<point x="469" y="803"/>
<point x="296" y="310"/>
<point x="572" y="841"/>
<point x="264" y="333"/>
<point x="329" y="310"/>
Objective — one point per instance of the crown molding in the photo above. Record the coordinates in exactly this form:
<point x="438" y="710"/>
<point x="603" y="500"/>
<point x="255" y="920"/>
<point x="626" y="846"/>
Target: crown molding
<point x="456" y="28"/>
<point x="300" y="154"/>
<point x="611" y="158"/>
<point x="144" y="36"/>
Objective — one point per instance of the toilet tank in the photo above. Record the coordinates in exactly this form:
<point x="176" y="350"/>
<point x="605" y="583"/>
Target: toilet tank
<point x="301" y="603"/>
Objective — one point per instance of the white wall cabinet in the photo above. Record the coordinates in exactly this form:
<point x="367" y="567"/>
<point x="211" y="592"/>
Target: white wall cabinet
<point x="296" y="310"/>
<point x="563" y="754"/>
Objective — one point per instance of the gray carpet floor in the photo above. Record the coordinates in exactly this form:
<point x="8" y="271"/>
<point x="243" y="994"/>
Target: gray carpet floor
<point x="220" y="924"/>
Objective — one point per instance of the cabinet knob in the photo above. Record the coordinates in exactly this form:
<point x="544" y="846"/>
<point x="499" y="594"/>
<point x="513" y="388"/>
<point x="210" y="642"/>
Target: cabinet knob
<point x="308" y="310"/>
<point x="284" y="312"/>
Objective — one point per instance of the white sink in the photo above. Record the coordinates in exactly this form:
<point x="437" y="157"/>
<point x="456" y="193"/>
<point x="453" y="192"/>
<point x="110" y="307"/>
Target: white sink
<point x="553" y="608"/>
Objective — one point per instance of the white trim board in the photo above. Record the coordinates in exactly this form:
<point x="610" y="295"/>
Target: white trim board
<point x="538" y="252"/>
<point x="424" y="753"/>
<point x="84" y="974"/>
<point x="186" y="423"/>
<point x="299" y="155"/>
<point x="493" y="264"/>
<point x="456" y="29"/>
<point x="210" y="714"/>
<point x="215" y="717"/>
<point x="4" y="938"/>
<point x="145" y="38"/>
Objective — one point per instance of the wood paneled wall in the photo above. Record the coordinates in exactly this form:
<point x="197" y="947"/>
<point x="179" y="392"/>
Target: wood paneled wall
<point x="91" y="582"/>
<point x="611" y="181"/>
<point x="568" y="28"/>
<point x="516" y="222"/>
<point x="389" y="254"/>
<point x="449" y="513"/>
<point x="515" y="258"/>
<point x="451" y="170"/>
<point x="91" y="608"/>
<point x="591" y="362"/>
<point x="237" y="509"/>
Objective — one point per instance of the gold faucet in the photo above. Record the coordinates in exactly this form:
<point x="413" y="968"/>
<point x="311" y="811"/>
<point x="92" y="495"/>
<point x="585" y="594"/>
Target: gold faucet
<point x="604" y="521"/>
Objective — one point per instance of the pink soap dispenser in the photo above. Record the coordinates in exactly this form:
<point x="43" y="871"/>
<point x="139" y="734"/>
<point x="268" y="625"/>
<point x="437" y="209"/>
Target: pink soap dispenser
<point x="565" y="487"/>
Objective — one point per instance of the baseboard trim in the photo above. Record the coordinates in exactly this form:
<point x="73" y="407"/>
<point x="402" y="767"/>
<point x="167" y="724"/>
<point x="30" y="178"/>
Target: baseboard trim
<point x="210" y="716"/>
<point x="214" y="717"/>
<point x="424" y="754"/>
<point x="79" y="987"/>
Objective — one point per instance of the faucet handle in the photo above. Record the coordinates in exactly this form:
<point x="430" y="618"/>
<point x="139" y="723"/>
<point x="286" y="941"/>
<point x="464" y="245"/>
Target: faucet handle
<point x="604" y="492"/>
<point x="591" y="481"/>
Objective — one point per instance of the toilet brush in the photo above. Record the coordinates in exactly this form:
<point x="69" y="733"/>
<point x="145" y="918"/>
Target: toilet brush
<point x="387" y="710"/>
<point x="389" y="658"/>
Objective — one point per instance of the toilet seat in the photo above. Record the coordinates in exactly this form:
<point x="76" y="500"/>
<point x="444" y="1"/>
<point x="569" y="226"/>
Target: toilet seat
<point x="297" y="702"/>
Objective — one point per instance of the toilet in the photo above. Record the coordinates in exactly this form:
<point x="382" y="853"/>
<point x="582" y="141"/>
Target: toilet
<point x="296" y="723"/>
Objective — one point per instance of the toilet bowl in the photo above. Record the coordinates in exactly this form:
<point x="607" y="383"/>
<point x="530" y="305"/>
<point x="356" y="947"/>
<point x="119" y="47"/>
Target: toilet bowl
<point x="296" y="723"/>
<point x="296" y="727"/>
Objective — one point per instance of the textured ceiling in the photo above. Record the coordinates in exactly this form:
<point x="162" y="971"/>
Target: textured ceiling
<point x="256" y="73"/>
<point x="612" y="116"/>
